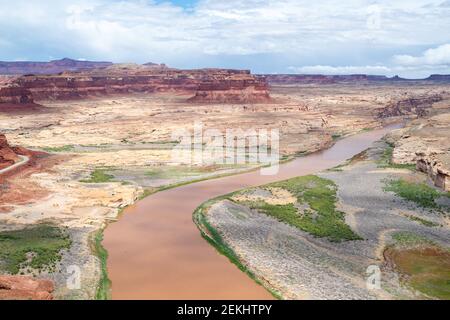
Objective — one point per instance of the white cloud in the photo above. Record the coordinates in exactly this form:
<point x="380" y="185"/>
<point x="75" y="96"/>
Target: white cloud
<point x="431" y="61"/>
<point x="144" y="30"/>
<point x="435" y="56"/>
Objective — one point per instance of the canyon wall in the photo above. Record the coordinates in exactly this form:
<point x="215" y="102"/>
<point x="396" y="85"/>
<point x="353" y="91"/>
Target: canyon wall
<point x="417" y="105"/>
<point x="15" y="95"/>
<point x="234" y="88"/>
<point x="206" y="85"/>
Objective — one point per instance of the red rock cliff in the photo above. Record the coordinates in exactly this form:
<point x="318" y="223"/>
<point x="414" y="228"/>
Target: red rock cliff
<point x="207" y="85"/>
<point x="232" y="87"/>
<point x="7" y="155"/>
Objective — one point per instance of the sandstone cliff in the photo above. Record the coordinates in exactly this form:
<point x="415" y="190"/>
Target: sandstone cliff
<point x="413" y="105"/>
<point x="7" y="155"/>
<point x="15" y="95"/>
<point x="233" y="88"/>
<point x="206" y="85"/>
<point x="425" y="143"/>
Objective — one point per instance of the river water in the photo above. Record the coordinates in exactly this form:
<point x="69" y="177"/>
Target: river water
<point x="157" y="252"/>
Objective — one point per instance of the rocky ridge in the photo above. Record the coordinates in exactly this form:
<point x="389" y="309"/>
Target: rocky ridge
<point x="411" y="105"/>
<point x="207" y="85"/>
<point x="425" y="143"/>
<point x="289" y="79"/>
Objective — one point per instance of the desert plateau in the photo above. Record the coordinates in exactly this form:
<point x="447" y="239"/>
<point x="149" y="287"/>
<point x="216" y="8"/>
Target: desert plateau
<point x="224" y="159"/>
<point x="79" y="147"/>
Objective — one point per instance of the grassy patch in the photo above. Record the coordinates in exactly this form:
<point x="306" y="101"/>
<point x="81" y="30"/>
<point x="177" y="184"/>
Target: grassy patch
<point x="174" y="172"/>
<point x="336" y="136"/>
<point x="177" y="172"/>
<point x="323" y="220"/>
<point x="419" y="193"/>
<point x="409" y="239"/>
<point x="66" y="148"/>
<point x="38" y="247"/>
<point x="385" y="160"/>
<point x="425" y="222"/>
<point x="422" y="265"/>
<point x="99" y="176"/>
<point x="104" y="285"/>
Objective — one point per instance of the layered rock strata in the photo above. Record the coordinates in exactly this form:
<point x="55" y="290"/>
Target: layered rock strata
<point x="425" y="143"/>
<point x="207" y="85"/>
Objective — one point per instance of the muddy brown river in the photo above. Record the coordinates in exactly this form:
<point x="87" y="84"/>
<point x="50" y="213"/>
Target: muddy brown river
<point x="157" y="252"/>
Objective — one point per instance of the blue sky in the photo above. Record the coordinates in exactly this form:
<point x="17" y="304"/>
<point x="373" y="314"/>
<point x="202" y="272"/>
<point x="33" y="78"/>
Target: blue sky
<point x="181" y="3"/>
<point x="405" y="37"/>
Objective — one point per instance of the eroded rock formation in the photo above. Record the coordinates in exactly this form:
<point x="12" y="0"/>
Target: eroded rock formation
<point x="436" y="166"/>
<point x="233" y="87"/>
<point x="425" y="143"/>
<point x="25" y="288"/>
<point x="206" y="85"/>
<point x="7" y="155"/>
<point x="15" y="95"/>
<point x="417" y="105"/>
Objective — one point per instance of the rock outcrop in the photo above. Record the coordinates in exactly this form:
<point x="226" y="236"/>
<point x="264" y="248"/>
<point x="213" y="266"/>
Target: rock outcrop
<point x="425" y="143"/>
<point x="417" y="105"/>
<point x="437" y="167"/>
<point x="206" y="85"/>
<point x="7" y="154"/>
<point x="55" y="66"/>
<point x="25" y="288"/>
<point x="232" y="86"/>
<point x="15" y="95"/>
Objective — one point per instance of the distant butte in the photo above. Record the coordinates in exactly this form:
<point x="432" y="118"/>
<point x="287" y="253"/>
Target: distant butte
<point x="280" y="79"/>
<point x="50" y="67"/>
